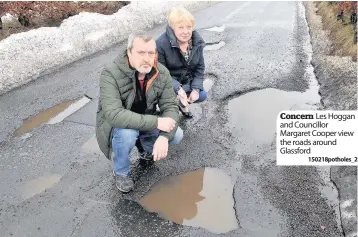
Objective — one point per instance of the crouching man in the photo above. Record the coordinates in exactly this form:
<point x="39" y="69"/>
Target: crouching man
<point x="130" y="89"/>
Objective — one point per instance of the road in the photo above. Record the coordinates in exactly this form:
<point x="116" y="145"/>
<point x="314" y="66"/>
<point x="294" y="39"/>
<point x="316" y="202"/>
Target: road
<point x="54" y="182"/>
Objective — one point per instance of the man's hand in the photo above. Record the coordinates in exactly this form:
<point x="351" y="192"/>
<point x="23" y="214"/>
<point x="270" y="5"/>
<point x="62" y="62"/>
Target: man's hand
<point x="194" y="96"/>
<point x="183" y="97"/>
<point x="160" y="149"/>
<point x="166" y="124"/>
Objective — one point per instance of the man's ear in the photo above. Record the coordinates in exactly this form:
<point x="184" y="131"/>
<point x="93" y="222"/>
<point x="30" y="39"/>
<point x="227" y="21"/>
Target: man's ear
<point x="128" y="51"/>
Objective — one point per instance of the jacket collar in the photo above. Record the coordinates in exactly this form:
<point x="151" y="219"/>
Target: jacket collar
<point x="197" y="40"/>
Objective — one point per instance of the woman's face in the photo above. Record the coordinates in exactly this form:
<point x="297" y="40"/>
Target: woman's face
<point x="183" y="31"/>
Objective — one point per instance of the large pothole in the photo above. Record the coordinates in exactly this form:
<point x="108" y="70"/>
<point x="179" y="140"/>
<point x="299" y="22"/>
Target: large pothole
<point x="252" y="116"/>
<point x="52" y="115"/>
<point x="133" y="220"/>
<point x="201" y="198"/>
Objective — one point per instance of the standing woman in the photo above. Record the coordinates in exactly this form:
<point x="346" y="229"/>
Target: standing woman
<point x="180" y="49"/>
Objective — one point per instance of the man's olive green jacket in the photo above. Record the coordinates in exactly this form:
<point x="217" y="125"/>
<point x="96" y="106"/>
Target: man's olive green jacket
<point x="117" y="93"/>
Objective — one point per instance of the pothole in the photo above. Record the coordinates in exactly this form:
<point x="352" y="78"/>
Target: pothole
<point x="133" y="220"/>
<point x="208" y="84"/>
<point x="201" y="198"/>
<point x="39" y="185"/>
<point x="197" y="108"/>
<point x="253" y="115"/>
<point x="214" y="46"/>
<point x="328" y="190"/>
<point x="217" y="28"/>
<point x="53" y="115"/>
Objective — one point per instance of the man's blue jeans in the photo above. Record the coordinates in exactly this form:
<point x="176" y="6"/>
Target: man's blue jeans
<point x="124" y="140"/>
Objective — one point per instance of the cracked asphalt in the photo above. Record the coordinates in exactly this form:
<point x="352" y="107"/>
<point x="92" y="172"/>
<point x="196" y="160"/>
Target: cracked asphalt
<point x="264" y="48"/>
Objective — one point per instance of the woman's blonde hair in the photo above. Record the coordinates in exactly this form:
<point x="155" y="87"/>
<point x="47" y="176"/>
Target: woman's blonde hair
<point x="179" y="14"/>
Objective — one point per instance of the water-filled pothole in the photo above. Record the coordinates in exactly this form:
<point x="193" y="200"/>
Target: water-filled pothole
<point x="39" y="185"/>
<point x="52" y="115"/>
<point x="133" y="220"/>
<point x="217" y="28"/>
<point x="214" y="46"/>
<point x="201" y="198"/>
<point x="252" y="116"/>
<point x="208" y="84"/>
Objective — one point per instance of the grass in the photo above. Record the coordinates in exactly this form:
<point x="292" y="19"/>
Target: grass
<point x="341" y="34"/>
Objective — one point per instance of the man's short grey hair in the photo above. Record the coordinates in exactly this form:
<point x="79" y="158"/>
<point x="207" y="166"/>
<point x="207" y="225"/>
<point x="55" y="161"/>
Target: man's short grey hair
<point x="138" y="34"/>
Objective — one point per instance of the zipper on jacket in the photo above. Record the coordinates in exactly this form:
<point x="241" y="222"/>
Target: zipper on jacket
<point x="181" y="55"/>
<point x="194" y="51"/>
<point x="192" y="54"/>
<point x="146" y="94"/>
<point x="134" y="94"/>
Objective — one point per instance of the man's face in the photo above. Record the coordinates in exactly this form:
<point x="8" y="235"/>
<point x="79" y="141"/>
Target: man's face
<point x="142" y="55"/>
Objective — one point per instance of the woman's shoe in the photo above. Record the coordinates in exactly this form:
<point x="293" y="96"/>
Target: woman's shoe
<point x="186" y="114"/>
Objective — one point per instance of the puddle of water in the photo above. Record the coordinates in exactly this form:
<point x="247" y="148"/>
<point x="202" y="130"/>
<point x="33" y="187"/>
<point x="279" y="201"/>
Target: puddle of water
<point x="327" y="188"/>
<point x="217" y="29"/>
<point x="133" y="220"/>
<point x="253" y="115"/>
<point x="70" y="110"/>
<point x="329" y="193"/>
<point x="215" y="46"/>
<point x="208" y="84"/>
<point x="201" y="198"/>
<point x="41" y="118"/>
<point x="39" y="185"/>
<point x="51" y="116"/>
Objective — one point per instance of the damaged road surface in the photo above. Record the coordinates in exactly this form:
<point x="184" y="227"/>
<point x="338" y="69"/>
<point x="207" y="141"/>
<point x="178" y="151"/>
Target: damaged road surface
<point x="222" y="179"/>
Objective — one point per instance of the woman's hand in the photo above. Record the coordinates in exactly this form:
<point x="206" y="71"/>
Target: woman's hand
<point x="194" y="96"/>
<point x="183" y="97"/>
